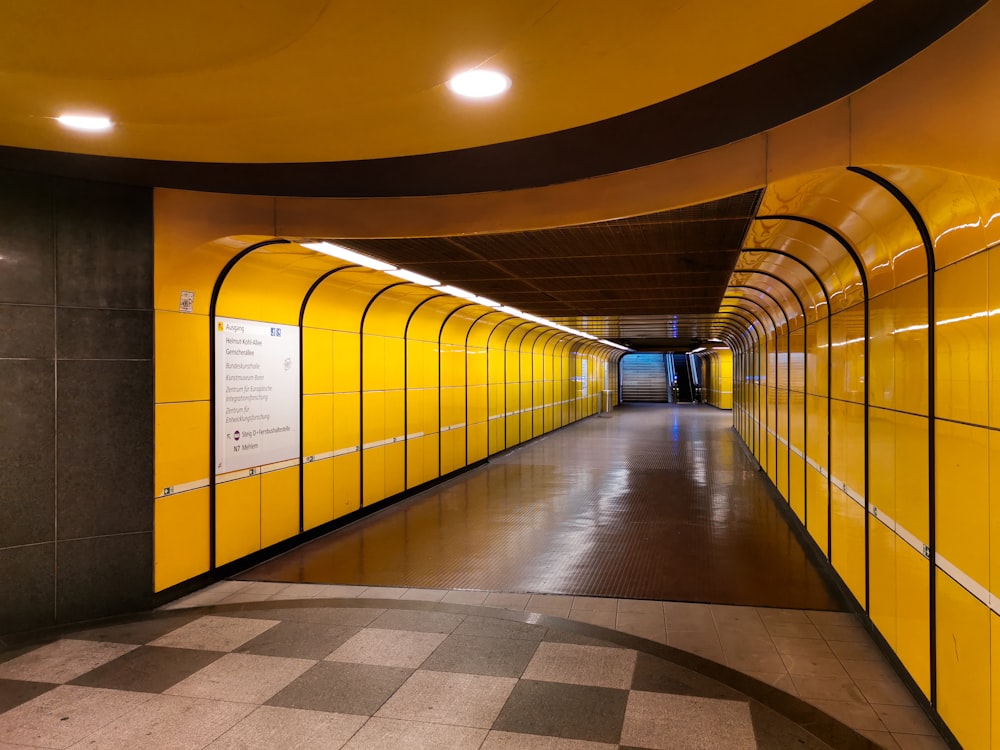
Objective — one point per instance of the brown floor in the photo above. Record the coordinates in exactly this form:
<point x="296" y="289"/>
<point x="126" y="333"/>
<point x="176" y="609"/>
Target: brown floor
<point x="657" y="502"/>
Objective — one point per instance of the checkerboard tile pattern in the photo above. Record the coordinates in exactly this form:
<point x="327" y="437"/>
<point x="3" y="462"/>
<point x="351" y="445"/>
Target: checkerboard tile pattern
<point x="333" y="675"/>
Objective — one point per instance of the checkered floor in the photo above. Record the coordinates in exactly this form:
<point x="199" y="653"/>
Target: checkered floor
<point x="379" y="674"/>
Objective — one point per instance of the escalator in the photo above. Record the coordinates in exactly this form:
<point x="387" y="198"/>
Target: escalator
<point x="682" y="381"/>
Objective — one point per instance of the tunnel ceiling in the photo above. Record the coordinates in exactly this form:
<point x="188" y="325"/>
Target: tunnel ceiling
<point x="612" y="278"/>
<point x="348" y="99"/>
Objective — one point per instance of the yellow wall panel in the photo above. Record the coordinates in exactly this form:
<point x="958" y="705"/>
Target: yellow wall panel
<point x="346" y="484"/>
<point x="395" y="474"/>
<point x="346" y="362"/>
<point x="963" y="491"/>
<point x="317" y="424"/>
<point x="317" y="361"/>
<point x="346" y="420"/>
<point x="180" y="537"/>
<point x="913" y="632"/>
<point x="395" y="351"/>
<point x="962" y="341"/>
<point x="882" y="577"/>
<point x="432" y="420"/>
<point x="882" y="456"/>
<point x="477" y="410"/>
<point x="373" y="471"/>
<point x="182" y="347"/>
<point x="910" y="347"/>
<point x="373" y="361"/>
<point x="911" y="475"/>
<point x="317" y="493"/>
<point x="415" y="364"/>
<point x="478" y="434"/>
<point x="279" y="505"/>
<point x="797" y="488"/>
<point x="415" y="470"/>
<point x="237" y="519"/>
<point x="848" y="541"/>
<point x="882" y="375"/>
<point x="452" y="450"/>
<point x="963" y="671"/>
<point x="395" y="414"/>
<point x="182" y="444"/>
<point x="432" y="450"/>
<point x="373" y="427"/>
<point x="414" y="411"/>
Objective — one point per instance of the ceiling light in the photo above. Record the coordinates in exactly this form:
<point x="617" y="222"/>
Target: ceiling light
<point x="511" y="311"/>
<point x="486" y="302"/>
<point x="336" y="251"/>
<point x="416" y="278"/>
<point x="479" y="84"/>
<point x="85" y="122"/>
<point x="456" y="292"/>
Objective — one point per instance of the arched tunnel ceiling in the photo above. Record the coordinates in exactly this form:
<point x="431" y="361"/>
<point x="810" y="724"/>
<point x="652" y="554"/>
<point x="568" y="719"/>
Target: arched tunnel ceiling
<point x="614" y="279"/>
<point x="347" y="99"/>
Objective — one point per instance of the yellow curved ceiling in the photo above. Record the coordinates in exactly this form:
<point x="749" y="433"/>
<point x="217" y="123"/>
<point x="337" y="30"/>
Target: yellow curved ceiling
<point x="322" y="80"/>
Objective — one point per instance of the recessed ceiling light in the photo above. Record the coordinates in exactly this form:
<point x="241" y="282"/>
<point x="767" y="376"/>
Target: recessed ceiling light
<point x="479" y="84"/>
<point x="85" y="122"/>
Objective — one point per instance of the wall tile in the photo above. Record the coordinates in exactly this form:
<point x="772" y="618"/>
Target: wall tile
<point x="27" y="331"/>
<point x="26" y="239"/>
<point x="28" y="587"/>
<point x="104" y="334"/>
<point x="104" y="241"/>
<point x="27" y="441"/>
<point x="103" y="576"/>
<point x="105" y="447"/>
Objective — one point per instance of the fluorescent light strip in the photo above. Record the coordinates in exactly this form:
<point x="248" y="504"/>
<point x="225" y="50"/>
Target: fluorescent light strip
<point x="336" y="251"/>
<point x="416" y="278"/>
<point x="342" y="253"/>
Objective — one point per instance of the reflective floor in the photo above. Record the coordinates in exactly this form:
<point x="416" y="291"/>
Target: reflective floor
<point x="657" y="502"/>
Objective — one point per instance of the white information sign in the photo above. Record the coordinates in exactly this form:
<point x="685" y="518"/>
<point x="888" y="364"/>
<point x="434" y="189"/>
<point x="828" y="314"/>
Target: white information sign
<point x="256" y="394"/>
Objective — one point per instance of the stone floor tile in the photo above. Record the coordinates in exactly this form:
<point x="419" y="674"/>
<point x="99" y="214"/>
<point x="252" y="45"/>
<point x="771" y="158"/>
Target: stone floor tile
<point x="594" y="617"/>
<point x="640" y="607"/>
<point x="919" y="742"/>
<point x="423" y="622"/>
<point x="821" y="617"/>
<point x="855" y="715"/>
<point x="863" y="650"/>
<point x="815" y="687"/>
<point x="168" y="721"/>
<point x="276" y="728"/>
<point x="512" y="741"/>
<point x="148" y="669"/>
<point x="802" y="647"/>
<point x="388" y="648"/>
<point x="655" y="675"/>
<point x="891" y="692"/>
<point x="688" y="616"/>
<point x="752" y="661"/>
<point x="423" y="595"/>
<point x="776" y="615"/>
<point x="594" y="604"/>
<point x="298" y="640"/>
<point x="15" y="692"/>
<point x="507" y="601"/>
<point x="446" y="698"/>
<point x="465" y="597"/>
<point x="137" y="631"/>
<point x="582" y="665"/>
<point x="816" y="665"/>
<point x="869" y="669"/>
<point x="62" y="660"/>
<point x="703" y="643"/>
<point x="342" y="688"/>
<point x="65" y="715"/>
<point x="663" y="722"/>
<point x="213" y="633"/>
<point x="792" y="630"/>
<point x="492" y="627"/>
<point x="780" y="680"/>
<point x="382" y="592"/>
<point x="570" y="711"/>
<point x="393" y="734"/>
<point x="498" y="657"/>
<point x="905" y="719"/>
<point x="242" y="678"/>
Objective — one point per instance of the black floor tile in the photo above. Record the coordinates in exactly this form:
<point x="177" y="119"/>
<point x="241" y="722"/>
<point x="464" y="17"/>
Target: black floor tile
<point x="471" y="654"/>
<point x="342" y="688"/>
<point x="299" y="640"/>
<point x="148" y="669"/>
<point x="570" y="711"/>
<point x="421" y="622"/>
<point x="558" y="635"/>
<point x="355" y="617"/>
<point x="15" y="692"/>
<point x="493" y="628"/>
<point x="655" y="675"/>
<point x="138" y="632"/>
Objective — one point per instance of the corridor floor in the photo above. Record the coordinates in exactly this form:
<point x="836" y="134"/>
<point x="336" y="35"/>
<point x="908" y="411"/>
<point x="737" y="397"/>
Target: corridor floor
<point x="625" y="583"/>
<point x="657" y="502"/>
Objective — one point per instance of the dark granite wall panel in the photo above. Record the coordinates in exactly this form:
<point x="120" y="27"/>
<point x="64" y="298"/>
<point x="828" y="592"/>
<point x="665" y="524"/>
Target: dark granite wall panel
<point x="76" y="400"/>
<point x="26" y="239"/>
<point x="105" y="447"/>
<point x="27" y="462"/>
<point x="98" y="575"/>
<point x="27" y="575"/>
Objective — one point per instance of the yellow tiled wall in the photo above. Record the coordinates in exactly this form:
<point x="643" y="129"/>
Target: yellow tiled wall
<point x="400" y="385"/>
<point x="892" y="399"/>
